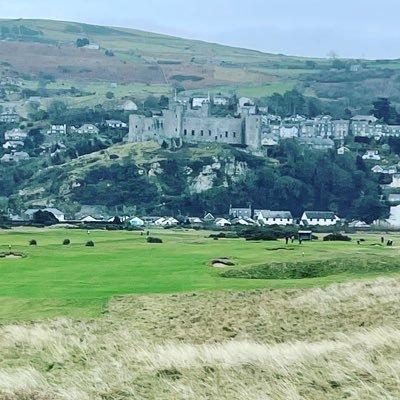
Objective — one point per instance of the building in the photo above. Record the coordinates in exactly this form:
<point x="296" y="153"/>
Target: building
<point x="13" y="144"/>
<point x="371" y="155"/>
<point x="30" y="212"/>
<point x="235" y="212"/>
<point x="15" y="134"/>
<point x="319" y="218"/>
<point x="342" y="150"/>
<point x="57" y="129"/>
<point x="268" y="217"/>
<point x="183" y="123"/>
<point x="363" y="125"/>
<point x="115" y="124"/>
<point x="9" y="117"/>
<point x="88" y="128"/>
<point x="15" y="156"/>
<point x="136" y="221"/>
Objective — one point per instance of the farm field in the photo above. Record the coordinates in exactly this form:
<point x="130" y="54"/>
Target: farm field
<point x="78" y="281"/>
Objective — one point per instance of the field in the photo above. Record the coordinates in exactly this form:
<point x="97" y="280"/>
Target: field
<point x="74" y="280"/>
<point x="126" y="319"/>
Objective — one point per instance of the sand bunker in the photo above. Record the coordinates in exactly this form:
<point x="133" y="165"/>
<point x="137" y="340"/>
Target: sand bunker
<point x="222" y="262"/>
<point x="12" y="255"/>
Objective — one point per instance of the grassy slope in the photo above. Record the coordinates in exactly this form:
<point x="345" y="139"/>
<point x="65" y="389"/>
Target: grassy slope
<point x="248" y="72"/>
<point x="77" y="281"/>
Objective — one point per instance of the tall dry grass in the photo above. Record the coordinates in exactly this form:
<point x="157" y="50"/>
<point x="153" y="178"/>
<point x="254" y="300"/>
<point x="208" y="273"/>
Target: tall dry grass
<point x="333" y="343"/>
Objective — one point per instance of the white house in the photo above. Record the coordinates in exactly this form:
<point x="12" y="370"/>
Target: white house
<point x="319" y="218"/>
<point x="371" y="155"/>
<point x="128" y="105"/>
<point x="170" y="221"/>
<point x="222" y="222"/>
<point x="57" y="129"/>
<point x="115" y="124"/>
<point x="268" y="217"/>
<point x="89" y="218"/>
<point x="288" y="132"/>
<point x="136" y="221"/>
<point x="13" y="144"/>
<point x="15" y="134"/>
<point x="383" y="169"/>
<point x="342" y="150"/>
<point x="88" y="128"/>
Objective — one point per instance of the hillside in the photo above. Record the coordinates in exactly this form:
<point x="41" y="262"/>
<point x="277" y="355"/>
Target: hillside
<point x="196" y="179"/>
<point x="140" y="63"/>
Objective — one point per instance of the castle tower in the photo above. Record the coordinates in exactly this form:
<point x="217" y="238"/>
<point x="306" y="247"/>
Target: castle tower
<point x="252" y="131"/>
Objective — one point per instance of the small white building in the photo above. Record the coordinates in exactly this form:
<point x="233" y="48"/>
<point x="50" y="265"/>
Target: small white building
<point x="319" y="218"/>
<point x="115" y="124"/>
<point x="342" y="150"/>
<point x="371" y="155"/>
<point x="88" y="128"/>
<point x="89" y="218"/>
<point x="57" y="129"/>
<point x="136" y="221"/>
<point x="222" y="222"/>
<point x="15" y="134"/>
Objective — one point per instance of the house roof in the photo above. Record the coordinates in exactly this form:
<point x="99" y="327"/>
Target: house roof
<point x="274" y="214"/>
<point x="320" y="214"/>
<point x="54" y="211"/>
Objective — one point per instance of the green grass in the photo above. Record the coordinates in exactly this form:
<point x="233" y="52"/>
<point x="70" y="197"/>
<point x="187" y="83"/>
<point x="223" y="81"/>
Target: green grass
<point x="77" y="281"/>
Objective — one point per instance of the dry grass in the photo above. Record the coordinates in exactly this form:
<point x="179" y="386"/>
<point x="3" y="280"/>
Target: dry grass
<point x="338" y="342"/>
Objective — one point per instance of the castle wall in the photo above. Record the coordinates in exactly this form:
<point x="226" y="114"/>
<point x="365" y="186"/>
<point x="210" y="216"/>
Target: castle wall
<point x="212" y="129"/>
<point x="195" y="126"/>
<point x="143" y="128"/>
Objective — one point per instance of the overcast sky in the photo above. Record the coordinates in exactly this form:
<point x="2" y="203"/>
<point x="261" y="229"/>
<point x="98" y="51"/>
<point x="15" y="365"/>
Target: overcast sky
<point x="350" y="28"/>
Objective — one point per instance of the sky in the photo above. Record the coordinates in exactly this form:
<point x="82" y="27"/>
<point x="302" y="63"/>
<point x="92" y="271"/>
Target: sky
<point x="349" y="28"/>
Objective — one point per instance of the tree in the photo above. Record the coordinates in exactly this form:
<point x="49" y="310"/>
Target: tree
<point x="384" y="110"/>
<point x="44" y="217"/>
<point x="110" y="95"/>
<point x="57" y="111"/>
<point x="82" y="42"/>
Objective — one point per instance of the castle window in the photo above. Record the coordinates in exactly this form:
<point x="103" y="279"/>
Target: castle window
<point x="136" y="126"/>
<point x="185" y="132"/>
<point x="209" y="133"/>
<point x="192" y="133"/>
<point x="234" y="134"/>
<point x="216" y="138"/>
<point x="220" y="136"/>
<point x="201" y="133"/>
<point x="226" y="134"/>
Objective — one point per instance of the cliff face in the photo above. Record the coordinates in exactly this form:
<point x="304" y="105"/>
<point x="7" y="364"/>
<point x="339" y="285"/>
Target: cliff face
<point x="138" y="175"/>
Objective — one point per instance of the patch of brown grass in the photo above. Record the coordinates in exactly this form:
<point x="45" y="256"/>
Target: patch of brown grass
<point x="338" y="342"/>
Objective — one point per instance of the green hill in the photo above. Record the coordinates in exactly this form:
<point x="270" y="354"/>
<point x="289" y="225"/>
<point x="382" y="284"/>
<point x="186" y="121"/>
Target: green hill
<point x="140" y="63"/>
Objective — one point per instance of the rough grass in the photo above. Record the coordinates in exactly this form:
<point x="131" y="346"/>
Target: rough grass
<point x="339" y="342"/>
<point x="314" y="269"/>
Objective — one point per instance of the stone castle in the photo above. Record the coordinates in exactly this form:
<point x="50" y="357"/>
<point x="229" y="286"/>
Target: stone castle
<point x="182" y="122"/>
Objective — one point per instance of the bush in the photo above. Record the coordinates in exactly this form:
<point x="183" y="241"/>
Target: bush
<point x="90" y="243"/>
<point x="32" y="242"/>
<point x="337" y="237"/>
<point x="153" y="240"/>
<point x="66" y="242"/>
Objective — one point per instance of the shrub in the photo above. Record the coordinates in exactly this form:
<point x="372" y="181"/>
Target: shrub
<point x="32" y="242"/>
<point x="336" y="237"/>
<point x="66" y="242"/>
<point x="153" y="240"/>
<point x="90" y="243"/>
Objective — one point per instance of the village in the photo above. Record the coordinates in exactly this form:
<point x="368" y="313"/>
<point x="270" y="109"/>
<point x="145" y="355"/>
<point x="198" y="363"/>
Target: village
<point x="250" y="128"/>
